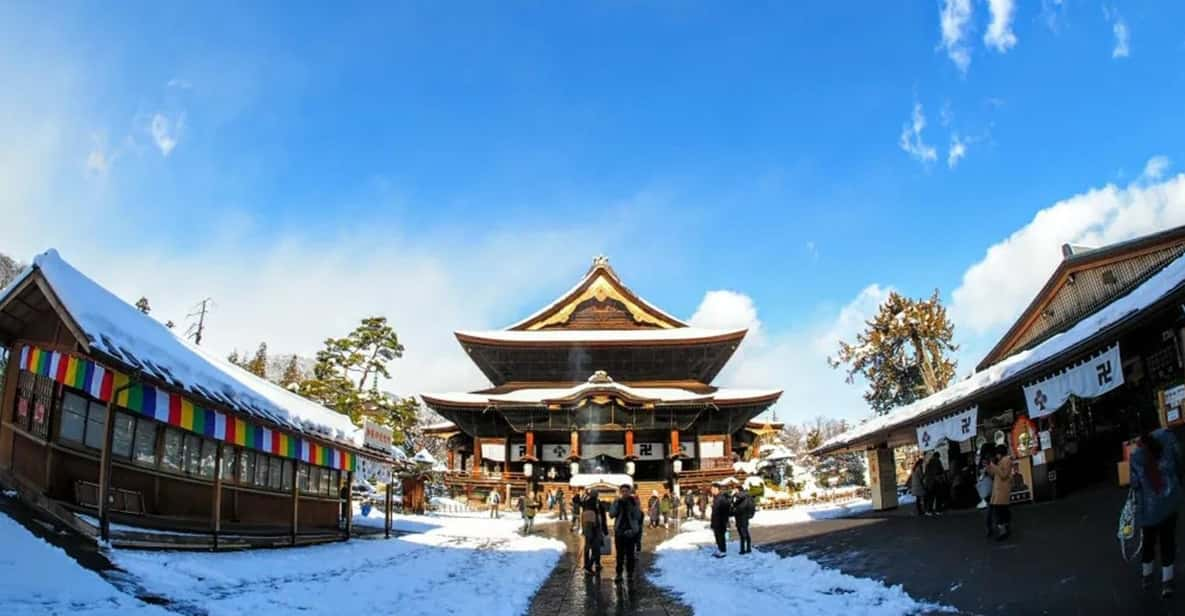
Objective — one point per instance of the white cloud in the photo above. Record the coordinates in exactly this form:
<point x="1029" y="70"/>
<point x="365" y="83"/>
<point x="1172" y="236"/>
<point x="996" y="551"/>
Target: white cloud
<point x="182" y="84"/>
<point x="812" y="249"/>
<point x="166" y="131"/>
<point x="995" y="289"/>
<point x="999" y="35"/>
<point x="955" y="20"/>
<point x="794" y="360"/>
<point x="911" y="137"/>
<point x="1155" y="167"/>
<point x="1122" y="47"/>
<point x="97" y="162"/>
<point x="1052" y="13"/>
<point x="956" y="152"/>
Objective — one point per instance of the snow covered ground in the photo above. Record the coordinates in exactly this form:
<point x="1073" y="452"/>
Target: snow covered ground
<point x="449" y="565"/>
<point x="764" y="582"/>
<point x="39" y="578"/>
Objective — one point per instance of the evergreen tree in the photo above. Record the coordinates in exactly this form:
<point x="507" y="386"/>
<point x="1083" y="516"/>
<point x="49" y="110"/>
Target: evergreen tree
<point x="142" y="305"/>
<point x="903" y="352"/>
<point x="258" y="363"/>
<point x="9" y="268"/>
<point x="234" y="358"/>
<point x="292" y="375"/>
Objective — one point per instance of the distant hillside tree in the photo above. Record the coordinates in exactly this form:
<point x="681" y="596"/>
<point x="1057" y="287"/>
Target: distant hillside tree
<point x="258" y="363"/>
<point x="142" y="305"/>
<point x="9" y="268"/>
<point x="292" y="375"/>
<point x="903" y="353"/>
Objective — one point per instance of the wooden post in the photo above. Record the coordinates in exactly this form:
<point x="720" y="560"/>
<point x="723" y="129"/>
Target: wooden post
<point x="105" y="472"/>
<point x="295" y="500"/>
<point x="11" y="378"/>
<point x="728" y="447"/>
<point x="216" y="513"/>
<point x="476" y="456"/>
<point x="349" y="504"/>
<point x="452" y="459"/>
<point x="575" y="444"/>
<point x="629" y="444"/>
<point x="390" y="501"/>
<point x="675" y="443"/>
<point x="530" y="445"/>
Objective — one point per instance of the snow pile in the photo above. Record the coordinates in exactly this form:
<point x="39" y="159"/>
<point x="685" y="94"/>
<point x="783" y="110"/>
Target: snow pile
<point x="117" y="329"/>
<point x="449" y="566"/>
<point x="39" y="578"/>
<point x="1156" y="287"/>
<point x="805" y="513"/>
<point x="765" y="583"/>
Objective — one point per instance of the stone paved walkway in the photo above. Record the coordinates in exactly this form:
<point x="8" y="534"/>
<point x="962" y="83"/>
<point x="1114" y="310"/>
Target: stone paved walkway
<point x="570" y="591"/>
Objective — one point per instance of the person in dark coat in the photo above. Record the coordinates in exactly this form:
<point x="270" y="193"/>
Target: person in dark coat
<point x="721" y="511"/>
<point x="702" y="502"/>
<point x="1156" y="479"/>
<point x="689" y="502"/>
<point x="627" y="527"/>
<point x="561" y="501"/>
<point x="594" y="525"/>
<point x="743" y="509"/>
<point x="576" y="499"/>
<point x="935" y="482"/>
<point x="917" y="486"/>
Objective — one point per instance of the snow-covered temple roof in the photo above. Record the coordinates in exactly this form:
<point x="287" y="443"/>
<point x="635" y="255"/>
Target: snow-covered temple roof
<point x="561" y="336"/>
<point x="1093" y="329"/>
<point x="109" y="326"/>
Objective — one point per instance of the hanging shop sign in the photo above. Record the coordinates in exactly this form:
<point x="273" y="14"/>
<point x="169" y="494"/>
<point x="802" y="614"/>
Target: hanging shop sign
<point x="1088" y="379"/>
<point x="957" y="428"/>
<point x="377" y="436"/>
<point x="558" y="452"/>
<point x="711" y="449"/>
<point x="1025" y="440"/>
<point x="493" y="452"/>
<point x="175" y="410"/>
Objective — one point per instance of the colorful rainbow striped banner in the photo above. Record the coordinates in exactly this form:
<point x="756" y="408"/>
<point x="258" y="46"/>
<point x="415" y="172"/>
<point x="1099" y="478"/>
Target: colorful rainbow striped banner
<point x="176" y="410"/>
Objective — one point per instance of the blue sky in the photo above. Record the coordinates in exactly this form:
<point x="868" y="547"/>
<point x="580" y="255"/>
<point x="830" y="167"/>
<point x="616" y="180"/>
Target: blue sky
<point x="454" y="166"/>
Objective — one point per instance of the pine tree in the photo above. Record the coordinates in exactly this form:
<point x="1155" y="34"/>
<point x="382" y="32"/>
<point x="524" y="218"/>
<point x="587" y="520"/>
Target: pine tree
<point x="9" y="268"/>
<point x="292" y="375"/>
<point x="142" y="305"/>
<point x="234" y="358"/>
<point x="258" y="363"/>
<point x="903" y="352"/>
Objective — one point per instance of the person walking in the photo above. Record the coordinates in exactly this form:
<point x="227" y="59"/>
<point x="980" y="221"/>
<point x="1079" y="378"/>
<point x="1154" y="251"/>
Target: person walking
<point x="701" y="499"/>
<point x="983" y="487"/>
<point x="664" y="509"/>
<point x="1000" y="470"/>
<point x="531" y="507"/>
<point x="1156" y="480"/>
<point x="652" y="508"/>
<point x="721" y="510"/>
<point x="493" y="500"/>
<point x="561" y="501"/>
<point x="594" y="525"/>
<point x="934" y="481"/>
<point x="743" y="509"/>
<point x="627" y="526"/>
<point x="689" y="502"/>
<point x="576" y="500"/>
<point x="917" y="486"/>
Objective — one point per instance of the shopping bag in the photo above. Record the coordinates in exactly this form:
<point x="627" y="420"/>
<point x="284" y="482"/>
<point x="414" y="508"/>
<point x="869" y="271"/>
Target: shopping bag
<point x="1131" y="538"/>
<point x="984" y="487"/>
<point x="606" y="545"/>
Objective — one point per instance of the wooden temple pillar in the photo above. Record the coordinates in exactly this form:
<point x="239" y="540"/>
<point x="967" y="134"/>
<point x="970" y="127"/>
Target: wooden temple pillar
<point x="574" y="444"/>
<point x="476" y="456"/>
<point x="530" y="457"/>
<point x="452" y="459"/>
<point x="349" y="504"/>
<point x="216" y="508"/>
<point x="728" y="447"/>
<point x="629" y="443"/>
<point x="675" y="443"/>
<point x="295" y="525"/>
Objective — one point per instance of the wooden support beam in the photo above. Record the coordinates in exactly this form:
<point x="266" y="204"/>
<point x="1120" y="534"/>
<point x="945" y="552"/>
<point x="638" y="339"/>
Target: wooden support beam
<point x="295" y="500"/>
<point x="349" y="504"/>
<point x="216" y="512"/>
<point x="575" y="444"/>
<point x="105" y="472"/>
<point x="629" y="444"/>
<point x="476" y="456"/>
<point x="530" y="445"/>
<point x="675" y="443"/>
<point x="390" y="502"/>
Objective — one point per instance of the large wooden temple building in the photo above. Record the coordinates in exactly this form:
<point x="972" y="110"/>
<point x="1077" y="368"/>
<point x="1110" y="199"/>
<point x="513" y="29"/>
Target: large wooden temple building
<point x="599" y="382"/>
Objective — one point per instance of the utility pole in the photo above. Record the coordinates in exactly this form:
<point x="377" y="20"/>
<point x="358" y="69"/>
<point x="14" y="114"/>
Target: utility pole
<point x="196" y="330"/>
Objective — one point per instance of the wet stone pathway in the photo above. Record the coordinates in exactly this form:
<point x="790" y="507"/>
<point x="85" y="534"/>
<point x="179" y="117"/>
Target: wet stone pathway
<point x="569" y="590"/>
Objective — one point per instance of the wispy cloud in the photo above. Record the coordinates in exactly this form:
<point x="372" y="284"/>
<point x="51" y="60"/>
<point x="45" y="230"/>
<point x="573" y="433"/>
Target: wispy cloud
<point x="182" y="84"/>
<point x="956" y="152"/>
<point x="166" y="132"/>
<point x="911" y="137"/>
<point x="955" y="20"/>
<point x="1155" y="167"/>
<point x="1122" y="47"/>
<point x="999" y="35"/>
<point x="1052" y="13"/>
<point x="812" y="250"/>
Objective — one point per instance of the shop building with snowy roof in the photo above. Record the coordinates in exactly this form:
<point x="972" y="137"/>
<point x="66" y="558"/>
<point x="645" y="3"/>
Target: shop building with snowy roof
<point x="598" y="382"/>
<point x="1094" y="360"/>
<point x="99" y="398"/>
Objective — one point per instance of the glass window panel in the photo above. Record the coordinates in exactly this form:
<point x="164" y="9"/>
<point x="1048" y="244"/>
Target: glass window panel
<point x="335" y="483"/>
<point x="193" y="453"/>
<point x="275" y="474"/>
<point x="73" y="418"/>
<point x="261" y="470"/>
<point x="121" y="440"/>
<point x="43" y="390"/>
<point x="173" y="454"/>
<point x="95" y="425"/>
<point x="286" y="484"/>
<point x="246" y="467"/>
<point x="228" y="463"/>
<point x="24" y="399"/>
<point x="145" y="446"/>
<point x="324" y="488"/>
<point x="314" y="486"/>
<point x="209" y="452"/>
<point x="303" y="479"/>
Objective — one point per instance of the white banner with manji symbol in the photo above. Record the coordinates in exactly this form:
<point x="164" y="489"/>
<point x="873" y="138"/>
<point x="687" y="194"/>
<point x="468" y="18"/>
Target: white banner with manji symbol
<point x="957" y="428"/>
<point x="1089" y="379"/>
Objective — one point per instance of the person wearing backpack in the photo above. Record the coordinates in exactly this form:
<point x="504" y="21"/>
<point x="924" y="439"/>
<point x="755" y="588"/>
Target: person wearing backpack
<point x="1156" y="480"/>
<point x="493" y="500"/>
<point x="743" y="509"/>
<point x="627" y="527"/>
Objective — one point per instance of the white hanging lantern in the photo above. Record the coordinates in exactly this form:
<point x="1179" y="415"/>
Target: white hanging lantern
<point x="528" y="469"/>
<point x="575" y="468"/>
<point x="629" y="468"/>
<point x="677" y="466"/>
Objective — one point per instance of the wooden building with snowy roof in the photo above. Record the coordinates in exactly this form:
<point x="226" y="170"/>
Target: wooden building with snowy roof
<point x="99" y="399"/>
<point x="600" y="381"/>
